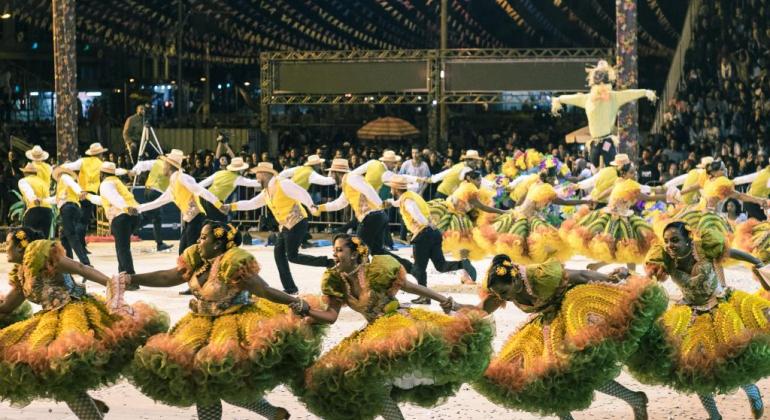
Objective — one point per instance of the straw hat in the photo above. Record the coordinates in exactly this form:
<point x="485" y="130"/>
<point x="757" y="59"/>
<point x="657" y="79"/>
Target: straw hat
<point x="237" y="165"/>
<point x="620" y="160"/>
<point x="398" y="182"/>
<point x="704" y="162"/>
<point x="264" y="167"/>
<point x="57" y="171"/>
<point x="95" y="149"/>
<point x="339" y="165"/>
<point x="313" y="160"/>
<point x="471" y="154"/>
<point x="29" y="168"/>
<point x="174" y="158"/>
<point x="390" y="156"/>
<point x="109" y="168"/>
<point x="36" y="154"/>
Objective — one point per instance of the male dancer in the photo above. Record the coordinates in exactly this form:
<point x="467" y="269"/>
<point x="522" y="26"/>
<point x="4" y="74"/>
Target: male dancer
<point x="89" y="176"/>
<point x="38" y="156"/>
<point x="34" y="191"/>
<point x="222" y="183"/>
<point x="67" y="198"/>
<point x="451" y="178"/>
<point x="308" y="173"/>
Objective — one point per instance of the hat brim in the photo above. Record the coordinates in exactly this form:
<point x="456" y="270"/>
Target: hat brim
<point x="394" y="160"/>
<point x="57" y="172"/>
<point x="90" y="152"/>
<point x="173" y="163"/>
<point x="472" y="157"/>
<point x="264" y="171"/>
<point x="397" y="185"/>
<point x="314" y="162"/>
<point x="342" y="171"/>
<point x="29" y="171"/>
<point x="243" y="167"/>
<point x="29" y="156"/>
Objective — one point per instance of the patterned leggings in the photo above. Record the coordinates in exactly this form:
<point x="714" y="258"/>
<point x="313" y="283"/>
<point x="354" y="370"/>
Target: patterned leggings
<point x="84" y="407"/>
<point x="214" y="411"/>
<point x="636" y="400"/>
<point x="751" y="390"/>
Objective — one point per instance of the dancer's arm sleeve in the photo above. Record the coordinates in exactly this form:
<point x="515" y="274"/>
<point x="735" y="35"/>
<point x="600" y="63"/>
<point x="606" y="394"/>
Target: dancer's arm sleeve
<point x="252" y="204"/>
<point x="321" y="180"/>
<point x="296" y="192"/>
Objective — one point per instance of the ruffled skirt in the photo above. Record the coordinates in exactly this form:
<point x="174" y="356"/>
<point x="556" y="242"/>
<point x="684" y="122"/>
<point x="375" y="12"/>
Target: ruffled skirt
<point x="555" y="361"/>
<point x="236" y="357"/>
<point x="710" y="352"/>
<point x="607" y="237"/>
<point x="526" y="240"/>
<point x="64" y="352"/>
<point x="413" y="355"/>
<point x="457" y="231"/>
<point x="696" y="220"/>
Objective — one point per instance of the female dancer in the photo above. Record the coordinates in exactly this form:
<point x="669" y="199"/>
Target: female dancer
<point x="581" y="331"/>
<point x="614" y="233"/>
<point x="454" y="216"/>
<point x="74" y="343"/>
<point x="715" y="339"/>
<point x="402" y="354"/>
<point x="523" y="233"/>
<point x="230" y="346"/>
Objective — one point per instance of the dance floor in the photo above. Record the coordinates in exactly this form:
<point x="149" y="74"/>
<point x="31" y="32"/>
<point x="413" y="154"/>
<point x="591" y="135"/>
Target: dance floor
<point x="128" y="403"/>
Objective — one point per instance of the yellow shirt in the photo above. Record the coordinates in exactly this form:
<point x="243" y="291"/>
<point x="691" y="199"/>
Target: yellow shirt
<point x="64" y="193"/>
<point x="360" y="204"/>
<point x="41" y="192"/>
<point x="759" y="187"/>
<point x="409" y="220"/>
<point x="302" y="176"/>
<point x="156" y="179"/>
<point x="287" y="211"/>
<point x="605" y="180"/>
<point x="44" y="172"/>
<point x="450" y="183"/>
<point x="374" y="172"/>
<point x="694" y="177"/>
<point x="90" y="174"/>
<point x="224" y="184"/>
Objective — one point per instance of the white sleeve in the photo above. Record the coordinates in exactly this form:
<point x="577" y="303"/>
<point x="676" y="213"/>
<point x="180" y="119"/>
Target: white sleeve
<point x="288" y="172"/>
<point x="296" y="192"/>
<point x="208" y="181"/>
<point x="317" y="179"/>
<point x="675" y="182"/>
<point x="66" y="179"/>
<point x="388" y="175"/>
<point x="27" y="190"/>
<point x="246" y="182"/>
<point x="485" y="183"/>
<point x="142" y="166"/>
<point x="73" y="166"/>
<point x="361" y="170"/>
<point x="745" y="179"/>
<point x="588" y="183"/>
<point x="50" y="200"/>
<point x="645" y="189"/>
<point x="95" y="199"/>
<point x="108" y="192"/>
<point x="164" y="199"/>
<point x="190" y="184"/>
<point x="439" y="176"/>
<point x="256" y="202"/>
<point x="360" y="184"/>
<point x="338" y="204"/>
<point x="414" y="211"/>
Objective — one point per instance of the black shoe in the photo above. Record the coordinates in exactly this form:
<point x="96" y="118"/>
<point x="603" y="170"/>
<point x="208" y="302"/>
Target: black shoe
<point x="293" y="293"/>
<point x="88" y="251"/>
<point x="468" y="267"/>
<point x="421" y="301"/>
<point x="186" y="292"/>
<point x="163" y="247"/>
<point x="132" y="286"/>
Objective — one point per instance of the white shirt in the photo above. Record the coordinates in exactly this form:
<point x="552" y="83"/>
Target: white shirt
<point x="143" y="166"/>
<point x="412" y="208"/>
<point x="676" y="181"/>
<point x="28" y="192"/>
<point x="71" y="184"/>
<point x="108" y="191"/>
<point x="748" y="179"/>
<point x="358" y="183"/>
<point x="315" y="177"/>
<point x="167" y="196"/>
<point x="240" y="181"/>
<point x="386" y="176"/>
<point x="291" y="189"/>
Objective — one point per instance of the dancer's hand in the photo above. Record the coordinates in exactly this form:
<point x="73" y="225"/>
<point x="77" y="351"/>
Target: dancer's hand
<point x="315" y="211"/>
<point x="556" y="106"/>
<point x="619" y="274"/>
<point x="449" y="305"/>
<point x="651" y="96"/>
<point x="83" y="195"/>
<point x="225" y="208"/>
<point x="133" y="211"/>
<point x="300" y="307"/>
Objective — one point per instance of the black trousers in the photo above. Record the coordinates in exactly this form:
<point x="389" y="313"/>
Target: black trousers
<point x="70" y="215"/>
<point x="39" y="219"/>
<point x="87" y="215"/>
<point x="213" y="213"/>
<point x="440" y="195"/>
<point x="427" y="247"/>
<point x="191" y="231"/>
<point x="370" y="230"/>
<point x="122" y="227"/>
<point x="598" y="150"/>
<point x="755" y="211"/>
<point x="154" y="216"/>
<point x="287" y="250"/>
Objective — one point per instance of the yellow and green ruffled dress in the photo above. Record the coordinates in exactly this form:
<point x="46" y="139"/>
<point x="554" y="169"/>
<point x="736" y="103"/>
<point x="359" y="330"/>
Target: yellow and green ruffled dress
<point x="524" y="234"/>
<point x="575" y="341"/>
<point x="411" y="355"/>
<point x="703" y="215"/>
<point x="456" y="218"/>
<point x="74" y="343"/>
<point x="614" y="233"/>
<point x="714" y="340"/>
<point x="231" y="346"/>
<point x="753" y="237"/>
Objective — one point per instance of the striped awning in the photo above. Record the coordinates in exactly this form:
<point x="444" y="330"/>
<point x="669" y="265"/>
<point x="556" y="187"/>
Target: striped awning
<point x="387" y="128"/>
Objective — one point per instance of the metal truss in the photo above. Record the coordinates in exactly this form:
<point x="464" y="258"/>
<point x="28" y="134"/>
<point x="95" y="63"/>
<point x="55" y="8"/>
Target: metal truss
<point x="406" y="98"/>
<point x="544" y="53"/>
<point x="349" y="55"/>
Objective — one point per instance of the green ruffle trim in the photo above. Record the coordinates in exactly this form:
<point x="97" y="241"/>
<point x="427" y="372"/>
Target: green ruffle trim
<point x="573" y="388"/>
<point x="655" y="363"/>
<point x="24" y="311"/>
<point x="162" y="379"/>
<point x="358" y="391"/>
<point x="79" y="372"/>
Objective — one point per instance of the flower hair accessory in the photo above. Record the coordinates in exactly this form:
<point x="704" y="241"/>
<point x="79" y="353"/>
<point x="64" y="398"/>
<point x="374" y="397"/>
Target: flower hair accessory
<point x="361" y="248"/>
<point x="21" y="237"/>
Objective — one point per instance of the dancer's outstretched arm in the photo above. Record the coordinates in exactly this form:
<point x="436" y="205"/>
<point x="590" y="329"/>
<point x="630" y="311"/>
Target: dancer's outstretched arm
<point x="589" y="276"/>
<point x="483" y="207"/>
<point x="70" y="266"/>
<point x="490" y="304"/>
<point x="162" y="278"/>
<point x="327" y="316"/>
<point x="422" y="291"/>
<point x="258" y="286"/>
<point x="11" y="300"/>
<point x="744" y="256"/>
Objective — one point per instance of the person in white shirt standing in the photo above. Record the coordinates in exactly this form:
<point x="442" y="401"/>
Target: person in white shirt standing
<point x="67" y="199"/>
<point x="120" y="207"/>
<point x="285" y="199"/>
<point x="222" y="183"/>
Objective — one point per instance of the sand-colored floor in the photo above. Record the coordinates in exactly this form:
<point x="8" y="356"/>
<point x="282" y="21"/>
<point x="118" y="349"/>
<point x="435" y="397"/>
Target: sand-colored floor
<point x="127" y="403"/>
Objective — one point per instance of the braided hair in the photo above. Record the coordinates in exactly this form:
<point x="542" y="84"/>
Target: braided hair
<point x="225" y="233"/>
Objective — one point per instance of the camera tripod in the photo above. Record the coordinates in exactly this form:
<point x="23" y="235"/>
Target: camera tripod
<point x="148" y="137"/>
